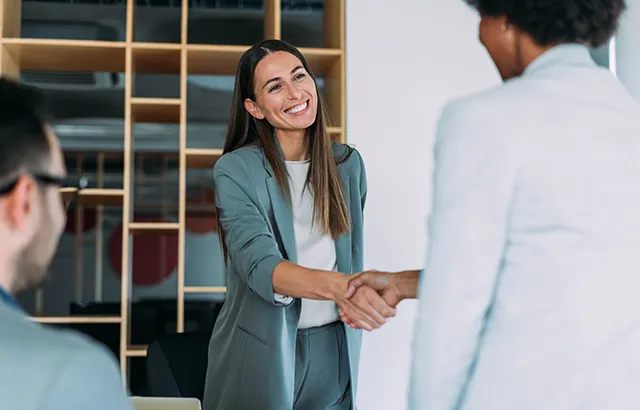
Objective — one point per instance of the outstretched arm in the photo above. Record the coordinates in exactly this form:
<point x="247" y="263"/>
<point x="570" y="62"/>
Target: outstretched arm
<point x="254" y="251"/>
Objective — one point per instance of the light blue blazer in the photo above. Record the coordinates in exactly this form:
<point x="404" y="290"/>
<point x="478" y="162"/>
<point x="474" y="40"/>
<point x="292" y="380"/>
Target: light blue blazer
<point x="252" y="349"/>
<point x="529" y="299"/>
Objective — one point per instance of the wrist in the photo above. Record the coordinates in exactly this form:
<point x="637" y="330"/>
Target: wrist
<point x="406" y="283"/>
<point x="336" y="286"/>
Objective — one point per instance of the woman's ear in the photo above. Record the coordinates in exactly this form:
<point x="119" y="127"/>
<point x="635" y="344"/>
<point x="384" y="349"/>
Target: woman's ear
<point x="253" y="109"/>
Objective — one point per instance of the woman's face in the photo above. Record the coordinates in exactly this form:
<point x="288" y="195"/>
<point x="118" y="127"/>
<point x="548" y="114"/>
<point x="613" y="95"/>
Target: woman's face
<point x="285" y="93"/>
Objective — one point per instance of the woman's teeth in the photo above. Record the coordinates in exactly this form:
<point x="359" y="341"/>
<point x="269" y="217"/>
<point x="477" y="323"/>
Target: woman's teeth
<point x="297" y="108"/>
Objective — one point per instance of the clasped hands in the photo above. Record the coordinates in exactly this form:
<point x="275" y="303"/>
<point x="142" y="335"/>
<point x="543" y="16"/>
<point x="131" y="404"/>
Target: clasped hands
<point x="370" y="299"/>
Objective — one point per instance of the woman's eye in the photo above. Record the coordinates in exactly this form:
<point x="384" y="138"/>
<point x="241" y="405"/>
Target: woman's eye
<point x="275" y="87"/>
<point x="300" y="76"/>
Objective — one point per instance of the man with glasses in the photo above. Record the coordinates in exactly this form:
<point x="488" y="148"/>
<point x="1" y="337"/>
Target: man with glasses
<point x="40" y="368"/>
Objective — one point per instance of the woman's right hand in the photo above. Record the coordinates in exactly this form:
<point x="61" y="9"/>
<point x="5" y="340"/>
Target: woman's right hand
<point x="366" y="308"/>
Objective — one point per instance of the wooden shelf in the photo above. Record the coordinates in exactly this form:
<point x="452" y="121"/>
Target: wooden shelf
<point x="77" y="319"/>
<point x="204" y="59"/>
<point x="156" y="58"/>
<point x="137" y="351"/>
<point x="205" y="289"/>
<point x="94" y="196"/>
<point x="156" y="110"/>
<point x="66" y="55"/>
<point x="202" y="158"/>
<point x="154" y="228"/>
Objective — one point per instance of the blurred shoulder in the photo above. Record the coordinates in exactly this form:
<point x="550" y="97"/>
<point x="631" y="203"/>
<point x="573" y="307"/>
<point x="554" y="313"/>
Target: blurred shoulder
<point x="50" y="358"/>
<point x="493" y="105"/>
<point x="348" y="158"/>
<point x="63" y="343"/>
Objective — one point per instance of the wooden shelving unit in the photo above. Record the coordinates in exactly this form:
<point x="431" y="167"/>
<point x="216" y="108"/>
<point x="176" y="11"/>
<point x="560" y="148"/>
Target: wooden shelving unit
<point x="131" y="57"/>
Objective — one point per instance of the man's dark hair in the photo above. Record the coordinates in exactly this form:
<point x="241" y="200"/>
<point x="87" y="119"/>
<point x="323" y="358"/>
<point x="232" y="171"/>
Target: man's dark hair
<point x="551" y="22"/>
<point x="24" y="115"/>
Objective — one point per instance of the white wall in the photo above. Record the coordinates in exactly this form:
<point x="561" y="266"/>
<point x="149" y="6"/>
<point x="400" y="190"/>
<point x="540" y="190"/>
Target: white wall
<point x="405" y="60"/>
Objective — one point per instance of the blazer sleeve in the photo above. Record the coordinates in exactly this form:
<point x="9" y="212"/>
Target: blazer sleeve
<point x="252" y="248"/>
<point x="363" y="181"/>
<point x="474" y="175"/>
<point x="86" y="378"/>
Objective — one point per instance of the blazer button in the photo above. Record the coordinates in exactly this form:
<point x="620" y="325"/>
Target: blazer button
<point x="290" y="321"/>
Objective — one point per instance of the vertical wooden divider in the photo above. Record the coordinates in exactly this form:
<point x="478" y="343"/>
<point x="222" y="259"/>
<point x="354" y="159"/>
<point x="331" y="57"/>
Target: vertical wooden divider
<point x="335" y="75"/>
<point x="182" y="187"/>
<point x="126" y="274"/>
<point x="79" y="237"/>
<point x="8" y="66"/>
<point x="273" y="19"/>
<point x="10" y="18"/>
<point x="99" y="248"/>
<point x="10" y="22"/>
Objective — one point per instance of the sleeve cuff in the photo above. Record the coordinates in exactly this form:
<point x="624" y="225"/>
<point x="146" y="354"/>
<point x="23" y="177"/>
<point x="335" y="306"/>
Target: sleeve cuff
<point x="262" y="282"/>
<point x="282" y="299"/>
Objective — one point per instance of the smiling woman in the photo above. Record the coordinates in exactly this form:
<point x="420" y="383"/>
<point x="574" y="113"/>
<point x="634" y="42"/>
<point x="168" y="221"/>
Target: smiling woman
<point x="290" y="206"/>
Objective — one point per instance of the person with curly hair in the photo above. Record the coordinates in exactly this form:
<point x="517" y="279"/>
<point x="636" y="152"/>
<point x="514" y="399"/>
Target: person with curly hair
<point x="529" y="299"/>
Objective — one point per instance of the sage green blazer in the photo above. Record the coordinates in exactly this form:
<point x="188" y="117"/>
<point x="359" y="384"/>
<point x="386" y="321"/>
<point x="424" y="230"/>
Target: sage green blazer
<point x="252" y="348"/>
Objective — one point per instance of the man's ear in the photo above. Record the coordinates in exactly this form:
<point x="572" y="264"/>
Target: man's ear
<point x="253" y="109"/>
<point x="20" y="202"/>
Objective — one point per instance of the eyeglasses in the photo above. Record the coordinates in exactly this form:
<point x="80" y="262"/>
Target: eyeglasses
<point x="82" y="184"/>
<point x="47" y="179"/>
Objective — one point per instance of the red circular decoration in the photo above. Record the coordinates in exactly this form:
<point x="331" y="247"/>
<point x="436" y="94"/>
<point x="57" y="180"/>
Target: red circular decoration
<point x="200" y="224"/>
<point x="89" y="219"/>
<point x="204" y="220"/>
<point x="155" y="257"/>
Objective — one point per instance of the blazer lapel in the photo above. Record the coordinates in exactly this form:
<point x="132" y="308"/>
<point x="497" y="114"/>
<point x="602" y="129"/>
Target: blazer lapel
<point x="284" y="219"/>
<point x="282" y="211"/>
<point x="343" y="243"/>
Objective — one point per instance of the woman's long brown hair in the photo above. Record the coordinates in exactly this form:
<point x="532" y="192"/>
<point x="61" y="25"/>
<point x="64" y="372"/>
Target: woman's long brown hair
<point x="330" y="209"/>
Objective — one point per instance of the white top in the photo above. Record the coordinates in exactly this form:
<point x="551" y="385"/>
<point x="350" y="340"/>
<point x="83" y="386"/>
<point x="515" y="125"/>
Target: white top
<point x="315" y="250"/>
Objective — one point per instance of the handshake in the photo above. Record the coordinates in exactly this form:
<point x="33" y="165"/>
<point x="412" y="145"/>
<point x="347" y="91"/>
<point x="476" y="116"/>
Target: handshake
<point x="371" y="297"/>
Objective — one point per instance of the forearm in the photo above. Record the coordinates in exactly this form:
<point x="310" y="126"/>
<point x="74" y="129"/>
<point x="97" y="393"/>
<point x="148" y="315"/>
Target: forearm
<point x="296" y="281"/>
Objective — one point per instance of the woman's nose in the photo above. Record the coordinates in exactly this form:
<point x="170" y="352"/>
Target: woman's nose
<point x="294" y="92"/>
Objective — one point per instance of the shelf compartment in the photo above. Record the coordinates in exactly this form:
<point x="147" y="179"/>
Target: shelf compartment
<point x="154" y="228"/>
<point x="156" y="110"/>
<point x="205" y="289"/>
<point x="202" y="158"/>
<point x="156" y="58"/>
<point x="93" y="196"/>
<point x="321" y="59"/>
<point x="223" y="60"/>
<point x="66" y="55"/>
<point x="76" y="319"/>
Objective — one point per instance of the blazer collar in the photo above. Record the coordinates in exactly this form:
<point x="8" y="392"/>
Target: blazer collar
<point x="561" y="55"/>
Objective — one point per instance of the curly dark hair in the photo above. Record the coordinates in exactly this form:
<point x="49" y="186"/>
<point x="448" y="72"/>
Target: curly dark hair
<point x="550" y="22"/>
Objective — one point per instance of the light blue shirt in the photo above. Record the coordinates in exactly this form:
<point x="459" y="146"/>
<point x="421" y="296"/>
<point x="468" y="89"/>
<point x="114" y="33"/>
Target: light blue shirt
<point x="7" y="298"/>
